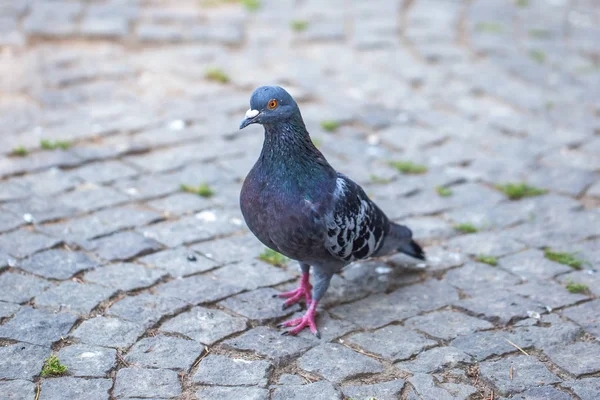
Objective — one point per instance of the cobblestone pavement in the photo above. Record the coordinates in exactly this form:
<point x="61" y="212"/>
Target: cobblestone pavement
<point x="144" y="290"/>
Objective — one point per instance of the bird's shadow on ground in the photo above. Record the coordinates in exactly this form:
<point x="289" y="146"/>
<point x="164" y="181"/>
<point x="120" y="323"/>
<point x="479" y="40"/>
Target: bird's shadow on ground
<point x="359" y="280"/>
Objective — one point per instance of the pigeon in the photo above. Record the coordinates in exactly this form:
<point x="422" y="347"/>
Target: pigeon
<point x="297" y="204"/>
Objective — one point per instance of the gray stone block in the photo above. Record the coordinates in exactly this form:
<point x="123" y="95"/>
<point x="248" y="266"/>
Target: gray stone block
<point x="74" y="297"/>
<point x="125" y="276"/>
<point x="146" y="309"/>
<point x="527" y="373"/>
<point x="204" y="325"/>
<point x="124" y="246"/>
<point x="18" y="288"/>
<point x="37" y="326"/>
<point x="270" y="343"/>
<point x="137" y="382"/>
<point x="108" y="332"/>
<point x="68" y="388"/>
<point x="335" y="362"/>
<point x="232" y="393"/>
<point x="385" y="342"/>
<point x="222" y="370"/>
<point x="58" y="263"/>
<point x="316" y="390"/>
<point x="22" y="360"/>
<point x="85" y="361"/>
<point x="165" y="352"/>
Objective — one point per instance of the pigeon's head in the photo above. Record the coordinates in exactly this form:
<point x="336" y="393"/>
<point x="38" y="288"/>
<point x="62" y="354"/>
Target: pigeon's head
<point x="270" y="105"/>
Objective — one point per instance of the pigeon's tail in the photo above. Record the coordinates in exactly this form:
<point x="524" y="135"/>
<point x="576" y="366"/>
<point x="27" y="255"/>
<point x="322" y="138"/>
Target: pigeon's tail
<point x="413" y="249"/>
<point x="403" y="235"/>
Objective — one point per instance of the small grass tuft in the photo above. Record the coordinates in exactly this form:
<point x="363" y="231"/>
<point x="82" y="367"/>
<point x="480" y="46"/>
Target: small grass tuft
<point x="251" y="5"/>
<point x="522" y="3"/>
<point x="489" y="27"/>
<point x="564" y="258"/>
<point x="316" y="142"/>
<point x="539" y="33"/>
<point x="576" y="287"/>
<point x="19" y="151"/>
<point x="217" y="75"/>
<point x="330" y="125"/>
<point x="55" y="144"/>
<point x="466" y="228"/>
<point x="299" y="25"/>
<point x="273" y="257"/>
<point x="407" y="167"/>
<point x="443" y="191"/>
<point x="537" y="55"/>
<point x="53" y="367"/>
<point x="203" y="190"/>
<point x="516" y="191"/>
<point x="490" y="260"/>
<point x="379" y="179"/>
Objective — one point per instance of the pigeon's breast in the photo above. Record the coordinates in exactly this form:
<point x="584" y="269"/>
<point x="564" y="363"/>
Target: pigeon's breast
<point x="283" y="217"/>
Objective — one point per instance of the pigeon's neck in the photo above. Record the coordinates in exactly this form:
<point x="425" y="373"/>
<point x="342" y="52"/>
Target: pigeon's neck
<point x="288" y="149"/>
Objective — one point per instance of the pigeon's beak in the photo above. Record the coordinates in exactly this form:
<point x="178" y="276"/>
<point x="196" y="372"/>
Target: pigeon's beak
<point x="251" y="118"/>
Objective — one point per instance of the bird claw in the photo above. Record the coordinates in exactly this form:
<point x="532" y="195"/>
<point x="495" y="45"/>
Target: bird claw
<point x="294" y="296"/>
<point x="308" y="320"/>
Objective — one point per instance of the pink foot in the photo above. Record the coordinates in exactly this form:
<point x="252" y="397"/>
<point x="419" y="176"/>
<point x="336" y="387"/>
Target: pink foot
<point x="294" y="296"/>
<point x="308" y="320"/>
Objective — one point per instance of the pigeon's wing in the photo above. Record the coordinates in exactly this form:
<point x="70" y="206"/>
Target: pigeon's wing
<point x="356" y="227"/>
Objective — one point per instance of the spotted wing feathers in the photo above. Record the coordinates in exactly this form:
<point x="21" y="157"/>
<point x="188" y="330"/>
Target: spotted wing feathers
<point x="356" y="228"/>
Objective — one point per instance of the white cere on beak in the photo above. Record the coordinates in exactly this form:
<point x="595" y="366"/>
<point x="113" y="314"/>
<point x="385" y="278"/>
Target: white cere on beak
<point x="251" y="113"/>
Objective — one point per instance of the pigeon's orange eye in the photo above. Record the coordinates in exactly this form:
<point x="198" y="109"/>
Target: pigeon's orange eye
<point x="272" y="104"/>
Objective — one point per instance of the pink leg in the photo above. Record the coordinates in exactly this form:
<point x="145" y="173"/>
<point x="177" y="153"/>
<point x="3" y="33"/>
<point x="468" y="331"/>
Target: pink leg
<point x="296" y="295"/>
<point x="308" y="320"/>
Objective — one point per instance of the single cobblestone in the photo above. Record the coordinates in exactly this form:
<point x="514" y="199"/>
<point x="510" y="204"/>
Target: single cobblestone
<point x="587" y="315"/>
<point x="179" y="262"/>
<point x="18" y="389"/>
<point x="586" y="388"/>
<point x="532" y="264"/>
<point x="145" y="383"/>
<point x="336" y="363"/>
<point x="270" y="343"/>
<point x="108" y="332"/>
<point x="103" y="222"/>
<point x="205" y="325"/>
<point x="527" y="373"/>
<point x="199" y="289"/>
<point x="384" y="342"/>
<point x="221" y="370"/>
<point x="125" y="276"/>
<point x="435" y="360"/>
<point x="22" y="360"/>
<point x="22" y="243"/>
<point x="74" y="297"/>
<point x="19" y="288"/>
<point x="8" y="309"/>
<point x="37" y="326"/>
<point x="124" y="246"/>
<point x="321" y="389"/>
<point x="578" y="358"/>
<point x="232" y="393"/>
<point x="85" y="361"/>
<point x="447" y="324"/>
<point x="58" y="264"/>
<point x="382" y="391"/>
<point x="66" y="388"/>
<point x="258" y="305"/>
<point x="146" y="309"/>
<point x="164" y="352"/>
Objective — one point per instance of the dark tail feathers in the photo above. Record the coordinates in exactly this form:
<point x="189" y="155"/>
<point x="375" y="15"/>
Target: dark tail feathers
<point x="408" y="245"/>
<point x="413" y="249"/>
